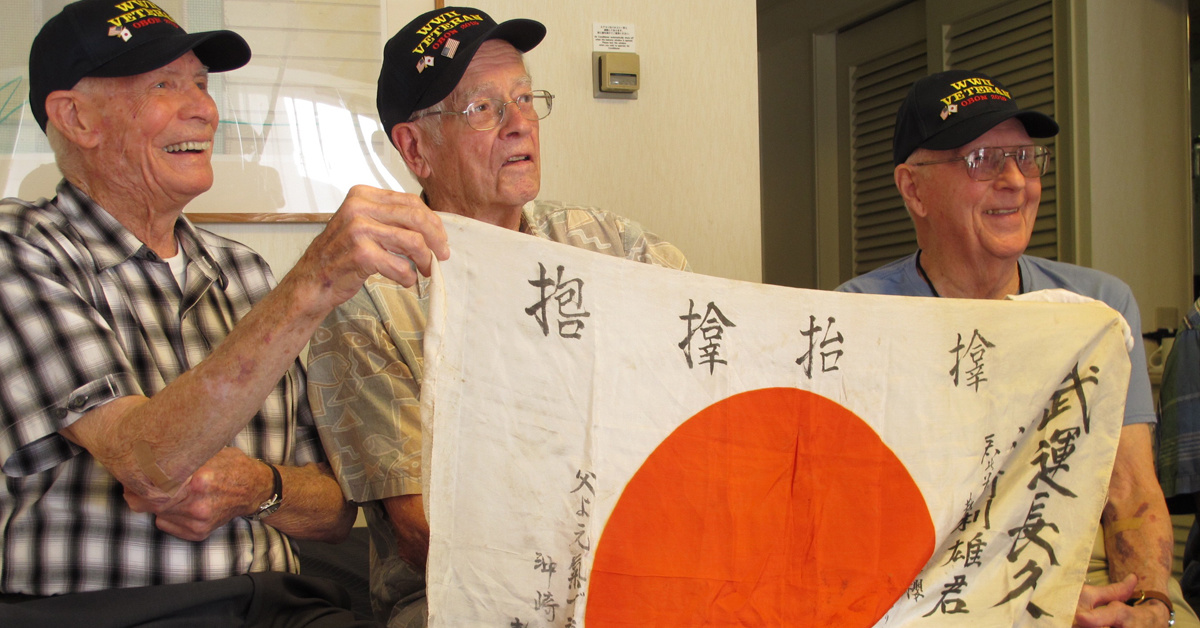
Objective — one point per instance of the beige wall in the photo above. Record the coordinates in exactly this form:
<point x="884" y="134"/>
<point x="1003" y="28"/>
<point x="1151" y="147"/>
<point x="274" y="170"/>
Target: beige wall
<point x="1136" y="152"/>
<point x="681" y="159"/>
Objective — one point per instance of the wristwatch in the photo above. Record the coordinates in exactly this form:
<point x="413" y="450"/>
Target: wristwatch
<point x="268" y="508"/>
<point x="1141" y="596"/>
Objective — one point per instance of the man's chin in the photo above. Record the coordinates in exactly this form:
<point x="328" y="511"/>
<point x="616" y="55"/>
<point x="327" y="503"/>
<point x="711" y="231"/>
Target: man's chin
<point x="519" y="185"/>
<point x="522" y="195"/>
<point x="192" y="191"/>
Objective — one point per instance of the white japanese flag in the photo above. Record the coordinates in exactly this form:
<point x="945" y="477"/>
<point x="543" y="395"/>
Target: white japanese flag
<point x="610" y="443"/>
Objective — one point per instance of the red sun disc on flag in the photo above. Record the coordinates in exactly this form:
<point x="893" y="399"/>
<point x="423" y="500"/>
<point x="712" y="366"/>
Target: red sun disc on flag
<point x="774" y="507"/>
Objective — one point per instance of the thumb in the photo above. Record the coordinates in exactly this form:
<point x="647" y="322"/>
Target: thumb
<point x="1097" y="596"/>
<point x="1126" y="586"/>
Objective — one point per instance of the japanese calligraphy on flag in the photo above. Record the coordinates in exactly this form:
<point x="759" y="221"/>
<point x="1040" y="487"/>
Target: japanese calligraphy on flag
<point x="614" y="444"/>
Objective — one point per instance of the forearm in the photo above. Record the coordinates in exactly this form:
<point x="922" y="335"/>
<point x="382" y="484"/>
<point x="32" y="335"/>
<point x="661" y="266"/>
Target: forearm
<point x="1137" y="528"/>
<point x="1140" y="543"/>
<point x="313" y="506"/>
<point x="407" y="514"/>
<point x="152" y="445"/>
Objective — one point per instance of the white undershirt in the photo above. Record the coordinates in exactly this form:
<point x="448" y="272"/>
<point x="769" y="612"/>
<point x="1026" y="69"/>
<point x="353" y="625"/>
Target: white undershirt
<point x="178" y="264"/>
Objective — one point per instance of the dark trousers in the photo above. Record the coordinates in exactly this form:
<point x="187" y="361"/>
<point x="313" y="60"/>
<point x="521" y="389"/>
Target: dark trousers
<point x="268" y="600"/>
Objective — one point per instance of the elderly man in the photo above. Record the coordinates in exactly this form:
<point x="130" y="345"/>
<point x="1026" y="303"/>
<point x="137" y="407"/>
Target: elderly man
<point x="974" y="209"/>
<point x="157" y="446"/>
<point x="459" y="105"/>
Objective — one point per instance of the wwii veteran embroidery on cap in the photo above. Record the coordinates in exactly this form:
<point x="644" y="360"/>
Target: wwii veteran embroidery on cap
<point x="949" y="109"/>
<point x="104" y="38"/>
<point x="423" y="63"/>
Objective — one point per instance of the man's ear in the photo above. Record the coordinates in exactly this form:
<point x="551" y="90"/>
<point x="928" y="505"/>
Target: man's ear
<point x="70" y="112"/>
<point x="413" y="146"/>
<point x="908" y="183"/>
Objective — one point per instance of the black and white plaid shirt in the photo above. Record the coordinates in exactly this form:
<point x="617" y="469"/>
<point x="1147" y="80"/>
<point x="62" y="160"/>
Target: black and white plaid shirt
<point x="89" y="314"/>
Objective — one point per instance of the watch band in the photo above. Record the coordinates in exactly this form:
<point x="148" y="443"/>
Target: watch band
<point x="1142" y="596"/>
<point x="273" y="502"/>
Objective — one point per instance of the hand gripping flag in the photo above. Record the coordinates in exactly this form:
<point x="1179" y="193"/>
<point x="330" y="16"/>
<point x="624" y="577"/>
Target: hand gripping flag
<point x="611" y="444"/>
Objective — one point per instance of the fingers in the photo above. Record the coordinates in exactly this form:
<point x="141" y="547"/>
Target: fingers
<point x="187" y="520"/>
<point x="216" y="493"/>
<point x="355" y="247"/>
<point x="374" y="231"/>
<point x="155" y="504"/>
<point x="195" y="524"/>
<point x="1125" y="588"/>
<point x="401" y="223"/>
<point x="406" y="211"/>
<point x="1116" y="592"/>
<point x="1105" y="605"/>
<point x="400" y="249"/>
<point x="1112" y="614"/>
<point x="137" y="503"/>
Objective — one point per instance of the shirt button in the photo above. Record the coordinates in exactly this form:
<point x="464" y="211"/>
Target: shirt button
<point x="78" y="403"/>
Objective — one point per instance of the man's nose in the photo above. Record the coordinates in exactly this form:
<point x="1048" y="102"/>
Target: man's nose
<point x="200" y="104"/>
<point x="1010" y="172"/>
<point x="514" y="120"/>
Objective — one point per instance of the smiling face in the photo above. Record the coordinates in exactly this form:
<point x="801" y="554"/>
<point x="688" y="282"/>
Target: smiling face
<point x="979" y="223"/>
<point x="487" y="175"/>
<point x="154" y="133"/>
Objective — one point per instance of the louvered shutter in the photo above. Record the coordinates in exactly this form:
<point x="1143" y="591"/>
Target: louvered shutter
<point x="1015" y="45"/>
<point x="882" y="230"/>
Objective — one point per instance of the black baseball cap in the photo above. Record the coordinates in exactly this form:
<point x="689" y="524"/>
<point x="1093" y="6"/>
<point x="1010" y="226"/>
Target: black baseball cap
<point x="951" y="108"/>
<point x="108" y="38"/>
<point x="423" y="63"/>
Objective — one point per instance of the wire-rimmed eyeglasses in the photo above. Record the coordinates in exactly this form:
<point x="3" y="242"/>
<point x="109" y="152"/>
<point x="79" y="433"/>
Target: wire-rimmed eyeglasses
<point x="985" y="164"/>
<point x="488" y="113"/>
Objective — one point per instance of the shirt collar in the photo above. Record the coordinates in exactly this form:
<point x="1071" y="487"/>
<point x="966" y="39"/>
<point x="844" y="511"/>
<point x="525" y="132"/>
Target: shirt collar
<point x="525" y="227"/>
<point x="110" y="243"/>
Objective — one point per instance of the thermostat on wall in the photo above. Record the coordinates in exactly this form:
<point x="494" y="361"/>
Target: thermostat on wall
<point x="615" y="75"/>
<point x="616" y="71"/>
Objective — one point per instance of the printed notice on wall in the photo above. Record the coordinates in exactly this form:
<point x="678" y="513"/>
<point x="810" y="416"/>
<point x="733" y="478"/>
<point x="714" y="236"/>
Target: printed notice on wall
<point x="613" y="38"/>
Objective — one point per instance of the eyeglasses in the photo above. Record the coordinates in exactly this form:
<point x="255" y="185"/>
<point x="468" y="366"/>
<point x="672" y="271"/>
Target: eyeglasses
<point x="985" y="164"/>
<point x="488" y="113"/>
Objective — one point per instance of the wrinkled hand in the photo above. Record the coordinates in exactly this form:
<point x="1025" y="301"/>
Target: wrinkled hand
<point x="374" y="231"/>
<point x="1105" y="606"/>
<point x="229" y="485"/>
